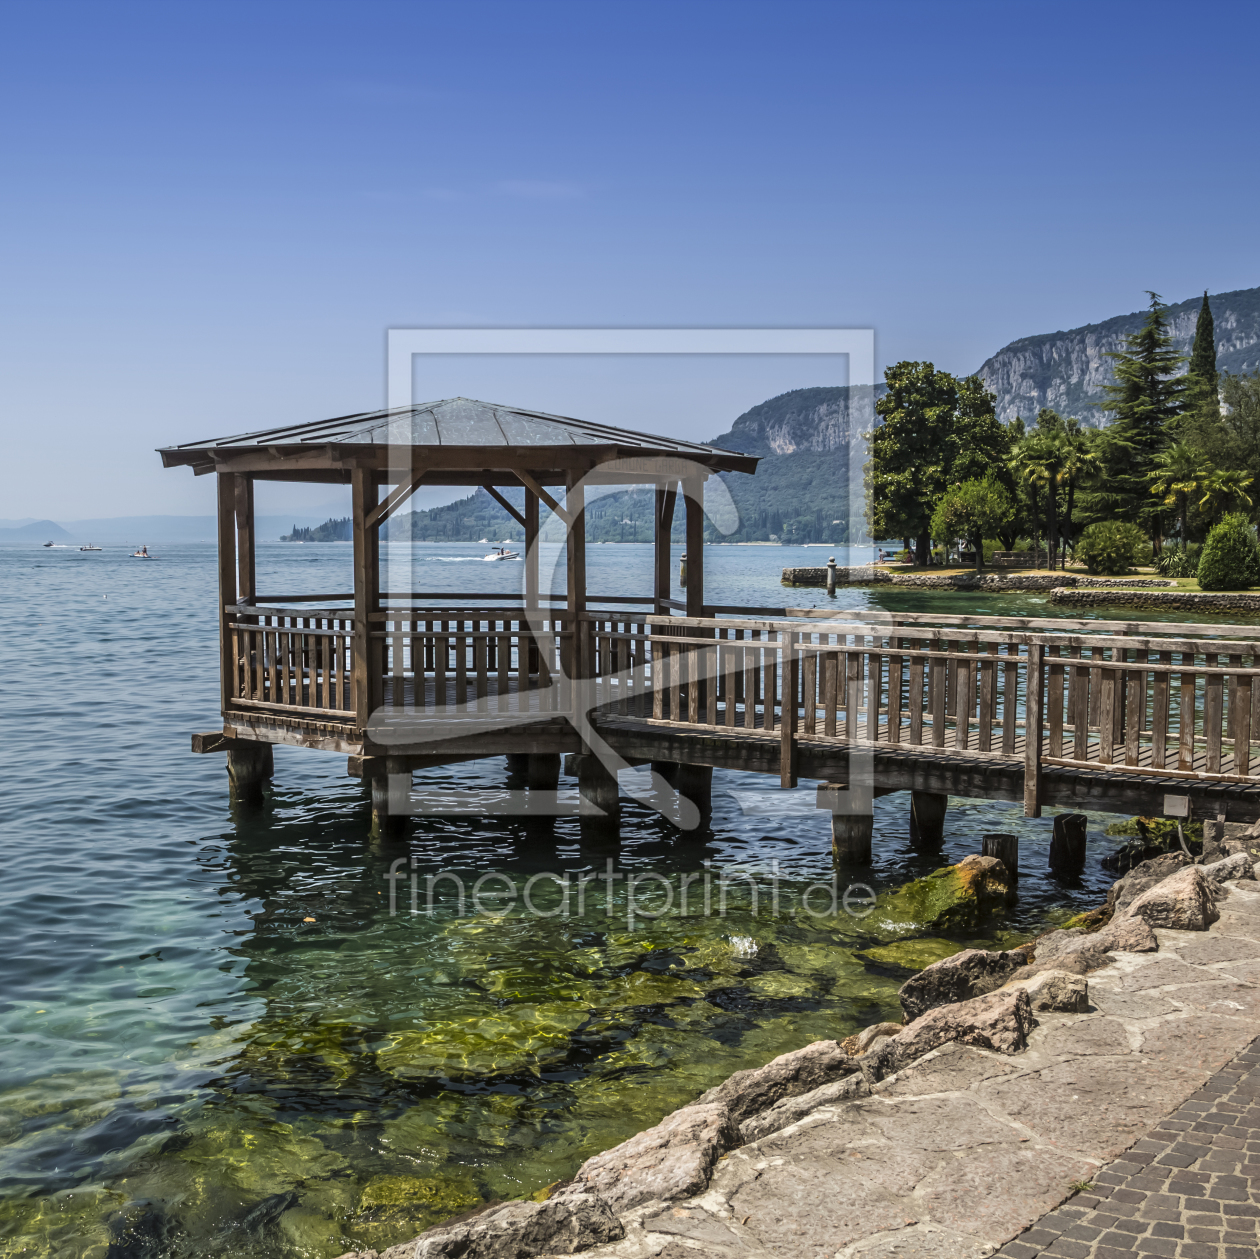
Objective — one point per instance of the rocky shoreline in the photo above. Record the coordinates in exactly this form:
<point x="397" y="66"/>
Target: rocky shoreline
<point x="869" y="575"/>
<point x="871" y="1146"/>
<point x="1162" y="600"/>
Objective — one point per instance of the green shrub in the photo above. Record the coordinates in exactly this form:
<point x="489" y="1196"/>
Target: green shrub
<point x="1111" y="547"/>
<point x="1178" y="561"/>
<point x="1230" y="559"/>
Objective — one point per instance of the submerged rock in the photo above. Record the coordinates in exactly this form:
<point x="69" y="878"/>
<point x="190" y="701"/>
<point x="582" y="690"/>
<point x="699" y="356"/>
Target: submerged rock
<point x="954" y="898"/>
<point x="971" y="973"/>
<point x="672" y="1160"/>
<point x="1185" y="901"/>
<point x="748" y="1092"/>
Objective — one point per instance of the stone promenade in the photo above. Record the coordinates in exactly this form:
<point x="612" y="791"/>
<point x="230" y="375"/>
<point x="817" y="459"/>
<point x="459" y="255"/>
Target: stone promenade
<point x="1127" y="1129"/>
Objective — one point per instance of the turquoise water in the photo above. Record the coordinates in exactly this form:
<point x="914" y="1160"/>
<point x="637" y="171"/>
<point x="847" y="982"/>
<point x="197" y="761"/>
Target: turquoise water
<point x="214" y="1036"/>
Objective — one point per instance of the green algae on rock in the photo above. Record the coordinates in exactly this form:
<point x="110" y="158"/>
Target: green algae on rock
<point x="952" y="899"/>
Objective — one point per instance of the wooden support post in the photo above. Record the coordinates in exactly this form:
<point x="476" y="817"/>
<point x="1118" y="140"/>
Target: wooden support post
<point x="787" y="712"/>
<point x="575" y="554"/>
<point x="598" y="787"/>
<point x="927" y="817"/>
<point x="531" y="549"/>
<point x="249" y="765"/>
<point x="228" y="668"/>
<point x="1067" y="844"/>
<point x="694" y="492"/>
<point x="245" y="582"/>
<point x="1034" y="691"/>
<point x="664" y="527"/>
<point x="367" y="585"/>
<point x="666" y="770"/>
<point x="1005" y="848"/>
<point x="695" y="783"/>
<point x="543" y="771"/>
<point x="517" y="764"/>
<point x="851" y="835"/>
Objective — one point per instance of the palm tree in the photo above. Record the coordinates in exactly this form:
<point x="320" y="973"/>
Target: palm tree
<point x="1179" y="472"/>
<point x="1040" y="458"/>
<point x="1223" y="491"/>
<point x="1082" y="462"/>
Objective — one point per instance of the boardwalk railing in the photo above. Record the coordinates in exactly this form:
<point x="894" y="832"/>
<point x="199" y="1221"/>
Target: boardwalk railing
<point x="1135" y="698"/>
<point x="1153" y="699"/>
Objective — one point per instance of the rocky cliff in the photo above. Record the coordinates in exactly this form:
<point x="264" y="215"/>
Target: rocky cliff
<point x="1068" y="370"/>
<point x="818" y="420"/>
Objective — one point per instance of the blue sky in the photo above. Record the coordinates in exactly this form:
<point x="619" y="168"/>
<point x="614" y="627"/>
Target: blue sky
<point x="214" y="211"/>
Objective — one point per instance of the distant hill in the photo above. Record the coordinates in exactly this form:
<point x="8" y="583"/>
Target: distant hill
<point x="38" y="531"/>
<point x="1067" y="370"/>
<point x="335" y="530"/>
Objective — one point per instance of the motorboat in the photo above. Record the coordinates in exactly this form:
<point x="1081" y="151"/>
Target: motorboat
<point x="503" y="554"/>
<point x="142" y="554"/>
<point x="89" y="547"/>
<point x="48" y="544"/>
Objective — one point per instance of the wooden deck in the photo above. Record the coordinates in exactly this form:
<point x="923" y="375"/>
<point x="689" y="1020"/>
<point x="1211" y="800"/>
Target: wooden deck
<point x="1125" y="714"/>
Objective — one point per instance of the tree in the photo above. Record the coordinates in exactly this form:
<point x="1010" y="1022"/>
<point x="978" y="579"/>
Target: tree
<point x="1224" y="490"/>
<point x="1202" y="384"/>
<point x="1040" y="460"/>
<point x="1178" y="474"/>
<point x="1146" y="399"/>
<point x="973" y="510"/>
<point x="936" y="431"/>
<point x="1230" y="558"/>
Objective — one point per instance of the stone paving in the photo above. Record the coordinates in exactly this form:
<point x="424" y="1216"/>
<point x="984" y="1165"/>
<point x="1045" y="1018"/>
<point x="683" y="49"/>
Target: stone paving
<point x="1152" y="1097"/>
<point x="1190" y="1189"/>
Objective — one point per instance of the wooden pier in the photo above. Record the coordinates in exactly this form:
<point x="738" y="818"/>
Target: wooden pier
<point x="1126" y="717"/>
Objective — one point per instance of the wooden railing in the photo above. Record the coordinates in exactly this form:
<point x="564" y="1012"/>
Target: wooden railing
<point x="292" y="661"/>
<point x="1124" y="697"/>
<point x="1174" y="701"/>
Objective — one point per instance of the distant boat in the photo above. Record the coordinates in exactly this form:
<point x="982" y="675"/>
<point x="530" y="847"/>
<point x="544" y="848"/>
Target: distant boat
<point x="89" y="547"/>
<point x="142" y="554"/>
<point x="48" y="544"/>
<point x="503" y="554"/>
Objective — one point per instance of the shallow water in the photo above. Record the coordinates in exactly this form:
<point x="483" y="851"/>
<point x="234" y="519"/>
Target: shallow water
<point x="214" y="1034"/>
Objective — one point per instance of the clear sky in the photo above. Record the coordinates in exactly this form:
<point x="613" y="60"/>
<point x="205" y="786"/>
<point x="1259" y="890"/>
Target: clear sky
<point x="213" y="211"/>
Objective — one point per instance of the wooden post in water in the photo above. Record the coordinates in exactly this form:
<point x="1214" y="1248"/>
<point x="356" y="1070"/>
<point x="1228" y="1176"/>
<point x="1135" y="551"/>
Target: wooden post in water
<point x="831" y="575"/>
<point x="852" y="822"/>
<point x="249" y="765"/>
<point x="598" y="787"/>
<point x="543" y="771"/>
<point x="927" y="818"/>
<point x="1067" y="844"/>
<point x="695" y="783"/>
<point x="1005" y="848"/>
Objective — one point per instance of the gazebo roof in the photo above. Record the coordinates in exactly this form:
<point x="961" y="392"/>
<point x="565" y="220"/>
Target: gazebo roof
<point x="455" y="432"/>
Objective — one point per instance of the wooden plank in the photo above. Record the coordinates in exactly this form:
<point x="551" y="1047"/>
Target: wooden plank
<point x="537" y="490"/>
<point x="1133" y="718"/>
<point x="663" y="522"/>
<point x="1185" y="720"/>
<point x="1034" y="695"/>
<point x="1010" y="699"/>
<point x="366" y="586"/>
<point x="1106" y="715"/>
<point x="1213" y="717"/>
<point x="987" y="670"/>
<point x="936" y="696"/>
<point x="809" y="683"/>
<point x="461" y="665"/>
<point x="1083" y="681"/>
<point x="731" y="669"/>
<point x="917" y="698"/>
<point x="575" y="571"/>
<point x="245" y="585"/>
<point x="853" y="695"/>
<point x="752" y="677"/>
<point x="830" y="691"/>
<point x="874" y="692"/>
<point x="966" y="699"/>
<point x="693" y="492"/>
<point x="1054" y="701"/>
<point x="396" y="497"/>
<point x="712" y="675"/>
<point x="787" y="723"/>
<point x="481" y="664"/>
<point x="896" y="675"/>
<point x="1160" y="687"/>
<point x="1242" y="726"/>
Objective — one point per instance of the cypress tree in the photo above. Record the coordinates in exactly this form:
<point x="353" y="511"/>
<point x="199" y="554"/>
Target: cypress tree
<point x="1202" y="382"/>
<point x="1146" y="400"/>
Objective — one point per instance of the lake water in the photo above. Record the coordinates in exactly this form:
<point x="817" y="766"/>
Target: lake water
<point x="216" y="1038"/>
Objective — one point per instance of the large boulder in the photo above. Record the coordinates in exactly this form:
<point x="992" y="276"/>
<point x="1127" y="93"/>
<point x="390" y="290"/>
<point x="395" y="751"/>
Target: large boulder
<point x="672" y="1160"/>
<point x="999" y="1021"/>
<point x="1143" y="877"/>
<point x="954" y="898"/>
<point x="1185" y="901"/>
<point x="747" y="1092"/>
<point x="1057" y="990"/>
<point x="1239" y="865"/>
<point x="971" y="973"/>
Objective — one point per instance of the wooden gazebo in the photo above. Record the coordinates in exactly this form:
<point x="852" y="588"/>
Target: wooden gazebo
<point x="468" y="676"/>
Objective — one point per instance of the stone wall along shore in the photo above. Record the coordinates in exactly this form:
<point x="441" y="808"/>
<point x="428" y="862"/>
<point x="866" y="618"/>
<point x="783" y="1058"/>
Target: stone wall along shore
<point x="1178" y="600"/>
<point x="1017" y="1077"/>
<point x="869" y="575"/>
